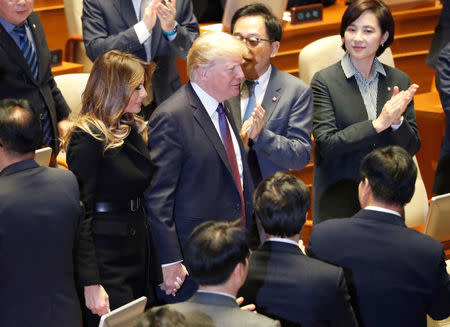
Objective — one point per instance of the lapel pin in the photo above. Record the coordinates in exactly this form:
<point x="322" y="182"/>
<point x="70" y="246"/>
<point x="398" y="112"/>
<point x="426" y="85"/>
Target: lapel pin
<point x="274" y="99"/>
<point x="34" y="25"/>
<point x="389" y="88"/>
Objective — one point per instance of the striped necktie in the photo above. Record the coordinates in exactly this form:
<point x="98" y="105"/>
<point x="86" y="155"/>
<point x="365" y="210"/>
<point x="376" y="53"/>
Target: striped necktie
<point x="251" y="99"/>
<point x="27" y="49"/>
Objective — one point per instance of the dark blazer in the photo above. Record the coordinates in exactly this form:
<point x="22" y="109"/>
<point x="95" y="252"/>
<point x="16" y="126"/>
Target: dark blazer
<point x="208" y="309"/>
<point x="16" y="79"/>
<point x="396" y="275"/>
<point x="442" y="177"/>
<point x="344" y="135"/>
<point x="194" y="182"/>
<point x="39" y="217"/>
<point x="441" y="35"/>
<point x="116" y="249"/>
<point x="108" y="24"/>
<point x="208" y="11"/>
<point x="285" y="284"/>
<point x="285" y="140"/>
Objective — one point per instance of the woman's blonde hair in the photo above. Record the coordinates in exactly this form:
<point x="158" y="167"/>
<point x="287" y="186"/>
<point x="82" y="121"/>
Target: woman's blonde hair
<point x="114" y="77"/>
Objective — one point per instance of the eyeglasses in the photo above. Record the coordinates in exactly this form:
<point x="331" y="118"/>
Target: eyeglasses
<point x="251" y="41"/>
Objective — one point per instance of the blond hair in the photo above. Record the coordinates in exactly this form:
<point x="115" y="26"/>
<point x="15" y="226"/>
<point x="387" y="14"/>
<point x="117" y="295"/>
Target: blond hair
<point x="210" y="46"/>
<point x="114" y="77"/>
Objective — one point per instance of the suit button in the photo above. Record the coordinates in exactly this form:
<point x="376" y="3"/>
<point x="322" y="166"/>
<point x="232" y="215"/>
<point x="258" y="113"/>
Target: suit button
<point x="238" y="206"/>
<point x="132" y="231"/>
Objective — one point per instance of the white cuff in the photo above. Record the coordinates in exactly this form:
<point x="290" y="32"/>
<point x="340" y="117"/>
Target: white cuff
<point x="397" y="126"/>
<point x="142" y="32"/>
<point x="170" y="264"/>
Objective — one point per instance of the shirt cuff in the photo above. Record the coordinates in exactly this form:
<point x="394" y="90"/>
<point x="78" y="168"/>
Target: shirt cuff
<point x="395" y="127"/>
<point x="170" y="264"/>
<point x="142" y="32"/>
<point x="171" y="37"/>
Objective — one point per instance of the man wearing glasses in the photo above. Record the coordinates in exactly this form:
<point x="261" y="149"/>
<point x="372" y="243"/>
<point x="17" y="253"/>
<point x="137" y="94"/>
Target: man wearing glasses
<point x="274" y="109"/>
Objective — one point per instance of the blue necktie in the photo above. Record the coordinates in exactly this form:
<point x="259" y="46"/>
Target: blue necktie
<point x="32" y="60"/>
<point x="27" y="49"/>
<point x="251" y="99"/>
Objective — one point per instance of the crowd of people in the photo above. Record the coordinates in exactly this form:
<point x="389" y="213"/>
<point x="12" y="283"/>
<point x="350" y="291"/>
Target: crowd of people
<point x="182" y="193"/>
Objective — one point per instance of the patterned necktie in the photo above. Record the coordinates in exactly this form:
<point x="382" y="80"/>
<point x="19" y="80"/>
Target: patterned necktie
<point x="27" y="49"/>
<point x="251" y="99"/>
<point x="231" y="154"/>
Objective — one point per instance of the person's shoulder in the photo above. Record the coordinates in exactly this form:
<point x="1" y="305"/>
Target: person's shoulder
<point x="328" y="73"/>
<point x="249" y="318"/>
<point x="289" y="79"/>
<point x="395" y="73"/>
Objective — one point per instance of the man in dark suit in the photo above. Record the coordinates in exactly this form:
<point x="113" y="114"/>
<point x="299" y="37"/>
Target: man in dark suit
<point x="442" y="178"/>
<point x="216" y="255"/>
<point x="282" y="282"/>
<point x="160" y="31"/>
<point x="202" y="174"/>
<point x="20" y="29"/>
<point x="398" y="274"/>
<point x="37" y="286"/>
<point x="280" y="139"/>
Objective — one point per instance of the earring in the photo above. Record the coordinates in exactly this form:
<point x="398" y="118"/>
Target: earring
<point x="382" y="44"/>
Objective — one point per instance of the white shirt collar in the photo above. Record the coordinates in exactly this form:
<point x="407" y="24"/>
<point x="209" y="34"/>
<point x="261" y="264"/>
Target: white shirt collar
<point x="207" y="101"/>
<point x="282" y="240"/>
<point x="381" y="209"/>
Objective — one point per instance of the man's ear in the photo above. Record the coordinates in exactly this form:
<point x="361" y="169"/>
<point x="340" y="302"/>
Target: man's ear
<point x="202" y="73"/>
<point x="275" y="45"/>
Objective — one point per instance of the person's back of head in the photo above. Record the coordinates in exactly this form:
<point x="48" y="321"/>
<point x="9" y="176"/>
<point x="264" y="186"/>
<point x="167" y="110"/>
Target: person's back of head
<point x="162" y="317"/>
<point x="213" y="251"/>
<point x="391" y="174"/>
<point x="20" y="128"/>
<point x="281" y="203"/>
<point x="273" y="24"/>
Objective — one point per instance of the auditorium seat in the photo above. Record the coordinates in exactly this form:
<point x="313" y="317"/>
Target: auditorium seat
<point x="72" y="87"/>
<point x="327" y="51"/>
<point x="75" y="51"/>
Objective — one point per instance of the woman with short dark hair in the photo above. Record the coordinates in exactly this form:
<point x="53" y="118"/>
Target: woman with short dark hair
<point x="360" y="104"/>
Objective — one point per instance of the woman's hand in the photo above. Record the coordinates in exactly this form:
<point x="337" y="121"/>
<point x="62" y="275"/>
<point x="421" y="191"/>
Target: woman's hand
<point x="394" y="108"/>
<point x="96" y="298"/>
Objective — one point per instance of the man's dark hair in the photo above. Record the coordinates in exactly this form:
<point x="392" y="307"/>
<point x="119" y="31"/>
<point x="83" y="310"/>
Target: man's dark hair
<point x="391" y="173"/>
<point x="20" y="128"/>
<point x="381" y="11"/>
<point x="273" y="25"/>
<point x="162" y="317"/>
<point x="281" y="203"/>
<point x="213" y="250"/>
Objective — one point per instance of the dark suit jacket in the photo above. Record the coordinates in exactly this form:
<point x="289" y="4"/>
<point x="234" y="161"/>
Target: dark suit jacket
<point x="116" y="249"/>
<point x="108" y="24"/>
<point x="397" y="274"/>
<point x="442" y="177"/>
<point x="39" y="216"/>
<point x="207" y="309"/>
<point x="194" y="182"/>
<point x="285" y="284"/>
<point x="441" y="35"/>
<point x="16" y="79"/>
<point x="208" y="11"/>
<point x="344" y="135"/>
<point x="285" y="140"/>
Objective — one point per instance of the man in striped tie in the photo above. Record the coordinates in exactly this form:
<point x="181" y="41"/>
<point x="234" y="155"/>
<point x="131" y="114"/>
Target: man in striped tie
<point x="25" y="71"/>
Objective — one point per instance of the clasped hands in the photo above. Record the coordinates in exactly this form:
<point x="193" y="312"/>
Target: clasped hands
<point x="253" y="126"/>
<point x="394" y="108"/>
<point x="165" y="11"/>
<point x="173" y="278"/>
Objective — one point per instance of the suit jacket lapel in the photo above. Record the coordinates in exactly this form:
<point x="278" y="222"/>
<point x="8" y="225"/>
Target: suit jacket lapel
<point x="126" y="9"/>
<point x="235" y="105"/>
<point x="156" y="37"/>
<point x="354" y="97"/>
<point x="205" y="122"/>
<point x="384" y="92"/>
<point x="272" y="95"/>
<point x="11" y="48"/>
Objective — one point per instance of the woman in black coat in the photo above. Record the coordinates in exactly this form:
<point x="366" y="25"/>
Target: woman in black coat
<point x="107" y="152"/>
